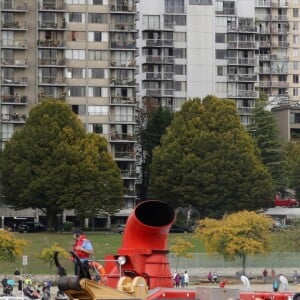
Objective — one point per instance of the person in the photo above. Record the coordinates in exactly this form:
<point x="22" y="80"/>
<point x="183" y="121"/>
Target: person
<point x="265" y="275"/>
<point x="215" y="277"/>
<point x="276" y="284"/>
<point x="177" y="280"/>
<point x="17" y="272"/>
<point x="209" y="277"/>
<point x="283" y="282"/>
<point x="4" y="283"/>
<point x="186" y="278"/>
<point x="246" y="282"/>
<point x="83" y="249"/>
<point x="273" y="274"/>
<point x="295" y="277"/>
<point x="182" y="280"/>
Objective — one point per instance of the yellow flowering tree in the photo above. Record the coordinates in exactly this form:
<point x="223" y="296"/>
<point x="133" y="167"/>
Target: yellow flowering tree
<point x="181" y="247"/>
<point x="11" y="247"/>
<point x="47" y="254"/>
<point x="236" y="235"/>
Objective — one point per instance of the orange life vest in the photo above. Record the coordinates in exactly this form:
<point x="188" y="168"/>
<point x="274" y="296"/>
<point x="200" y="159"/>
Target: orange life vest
<point x="99" y="269"/>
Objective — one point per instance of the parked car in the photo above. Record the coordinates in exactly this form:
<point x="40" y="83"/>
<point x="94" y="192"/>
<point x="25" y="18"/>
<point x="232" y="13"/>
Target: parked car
<point x="31" y="227"/>
<point x="119" y="228"/>
<point x="285" y="202"/>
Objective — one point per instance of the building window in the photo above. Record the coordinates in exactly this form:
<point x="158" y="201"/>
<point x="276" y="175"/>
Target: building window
<point x="295" y="12"/>
<point x="96" y="73"/>
<point x="96" y="128"/>
<point x="98" y="110"/>
<point x="174" y="6"/>
<point x="295" y="118"/>
<point x="295" y="39"/>
<point x="180" y="69"/>
<point x="170" y="20"/>
<point x="295" y="1"/>
<point x="295" y="52"/>
<point x="96" y="2"/>
<point x="79" y="110"/>
<point x="295" y="65"/>
<point x="295" y="92"/>
<point x="180" y="52"/>
<point x="98" y="55"/>
<point x="95" y="91"/>
<point x="221" y="70"/>
<point x="95" y="36"/>
<point x="221" y="54"/>
<point x="78" y="73"/>
<point x="180" y="86"/>
<point x="97" y="18"/>
<point x="76" y="91"/>
<point x="220" y="37"/>
<point x="76" y="17"/>
<point x="295" y="25"/>
<point x="295" y="78"/>
<point x="179" y="36"/>
<point x="75" y="54"/>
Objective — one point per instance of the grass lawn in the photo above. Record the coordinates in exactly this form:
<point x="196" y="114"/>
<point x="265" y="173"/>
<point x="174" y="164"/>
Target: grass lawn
<point x="104" y="243"/>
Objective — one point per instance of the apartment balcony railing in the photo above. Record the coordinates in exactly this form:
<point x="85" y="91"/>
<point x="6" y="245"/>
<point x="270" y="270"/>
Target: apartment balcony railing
<point x="13" y="118"/>
<point x="122" y="45"/>
<point x="263" y="17"/>
<point x="245" y="110"/>
<point x="263" y="3"/>
<point x="128" y="174"/>
<point x="159" y="92"/>
<point x="278" y="70"/>
<point x="15" y="44"/>
<point x="157" y="43"/>
<point x="52" y="25"/>
<point x="281" y="31"/>
<point x="51" y="81"/>
<point x="242" y="61"/>
<point x="264" y="44"/>
<point x="278" y="4"/>
<point x="123" y="137"/>
<point x="14" y="99"/>
<point x="264" y="31"/>
<point x="12" y="6"/>
<point x="125" y="155"/>
<point x="280" y="44"/>
<point x="279" y="58"/>
<point x="19" y="81"/>
<point x="43" y="96"/>
<point x="243" y="29"/>
<point x="123" y="81"/>
<point x="122" y="63"/>
<point x="52" y="62"/>
<point x="158" y="76"/>
<point x="122" y="100"/>
<point x="55" y="5"/>
<point x="122" y="118"/>
<point x="160" y="59"/>
<point x="128" y="193"/>
<point x="123" y="27"/>
<point x="264" y="70"/>
<point x="51" y="43"/>
<point x="243" y="78"/>
<point x="19" y="63"/>
<point x="121" y="8"/>
<point x="242" y="45"/>
<point x="226" y="11"/>
<point x="265" y="84"/>
<point x="243" y="94"/>
<point x="14" y="25"/>
<point x="280" y="84"/>
<point x="279" y="18"/>
<point x="264" y="57"/>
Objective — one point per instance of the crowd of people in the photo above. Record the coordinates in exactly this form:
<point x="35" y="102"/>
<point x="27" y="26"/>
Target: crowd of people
<point x="181" y="279"/>
<point x="25" y="286"/>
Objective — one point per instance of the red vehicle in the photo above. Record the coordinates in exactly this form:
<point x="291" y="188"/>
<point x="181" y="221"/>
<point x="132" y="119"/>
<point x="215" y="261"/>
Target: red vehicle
<point x="285" y="202"/>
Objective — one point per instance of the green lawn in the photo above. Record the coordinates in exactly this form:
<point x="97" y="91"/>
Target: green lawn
<point x="104" y="243"/>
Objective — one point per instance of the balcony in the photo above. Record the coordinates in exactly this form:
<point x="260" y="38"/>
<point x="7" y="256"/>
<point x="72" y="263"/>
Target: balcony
<point x="123" y="27"/>
<point x="118" y="100"/>
<point x="263" y="3"/>
<point x="123" y="63"/>
<point x="280" y="44"/>
<point x="14" y="7"/>
<point x="125" y="155"/>
<point x="157" y="43"/>
<point x="13" y="118"/>
<point x="46" y="62"/>
<point x="119" y="8"/>
<point x="123" y="81"/>
<point x="243" y="78"/>
<point x="122" y="45"/>
<point x="279" y="18"/>
<point x="52" y="25"/>
<point x="18" y="63"/>
<point x="242" y="61"/>
<point x="51" y="6"/>
<point x="14" y="44"/>
<point x="14" y="99"/>
<point x="243" y="94"/>
<point x="122" y="119"/>
<point x="122" y="137"/>
<point x="264" y="44"/>
<point x="245" y="110"/>
<point x="51" y="43"/>
<point x="242" y="29"/>
<point x="242" y="45"/>
<point x="262" y="17"/>
<point x="12" y="81"/>
<point x="226" y="11"/>
<point x="279" y="4"/>
<point x="52" y="81"/>
<point x="14" y="25"/>
<point x="128" y="174"/>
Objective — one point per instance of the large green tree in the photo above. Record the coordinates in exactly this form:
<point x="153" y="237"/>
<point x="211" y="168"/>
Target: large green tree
<point x="264" y="130"/>
<point x="52" y="164"/>
<point x="208" y="160"/>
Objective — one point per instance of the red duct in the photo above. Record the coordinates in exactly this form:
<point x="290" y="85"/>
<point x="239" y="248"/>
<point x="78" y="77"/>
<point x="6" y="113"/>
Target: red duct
<point x="144" y="245"/>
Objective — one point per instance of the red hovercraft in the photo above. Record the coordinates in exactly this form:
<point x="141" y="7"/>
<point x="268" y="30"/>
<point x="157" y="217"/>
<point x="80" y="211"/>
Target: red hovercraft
<point x="140" y="269"/>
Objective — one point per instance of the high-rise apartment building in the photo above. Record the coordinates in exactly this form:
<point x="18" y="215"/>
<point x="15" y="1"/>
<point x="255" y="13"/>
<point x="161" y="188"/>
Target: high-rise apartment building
<point x="106" y="58"/>
<point x="78" y="51"/>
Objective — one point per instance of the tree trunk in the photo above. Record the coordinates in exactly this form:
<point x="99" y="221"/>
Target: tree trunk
<point x="244" y="263"/>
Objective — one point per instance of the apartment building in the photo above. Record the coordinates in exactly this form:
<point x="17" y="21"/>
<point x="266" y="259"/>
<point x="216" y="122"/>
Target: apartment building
<point x="78" y="51"/>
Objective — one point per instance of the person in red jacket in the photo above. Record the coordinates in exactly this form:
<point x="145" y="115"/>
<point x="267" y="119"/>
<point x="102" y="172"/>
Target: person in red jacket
<point x="83" y="249"/>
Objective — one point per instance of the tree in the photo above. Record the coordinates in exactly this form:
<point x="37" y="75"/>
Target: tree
<point x="47" y="254"/>
<point x="181" y="247"/>
<point x="237" y="235"/>
<point x="52" y="164"/>
<point x="264" y="130"/>
<point x="208" y="160"/>
<point x="11" y="247"/>
<point x="156" y="122"/>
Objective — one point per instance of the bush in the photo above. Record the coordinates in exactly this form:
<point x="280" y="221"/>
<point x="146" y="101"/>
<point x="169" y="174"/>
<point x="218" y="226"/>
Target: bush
<point x="67" y="226"/>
